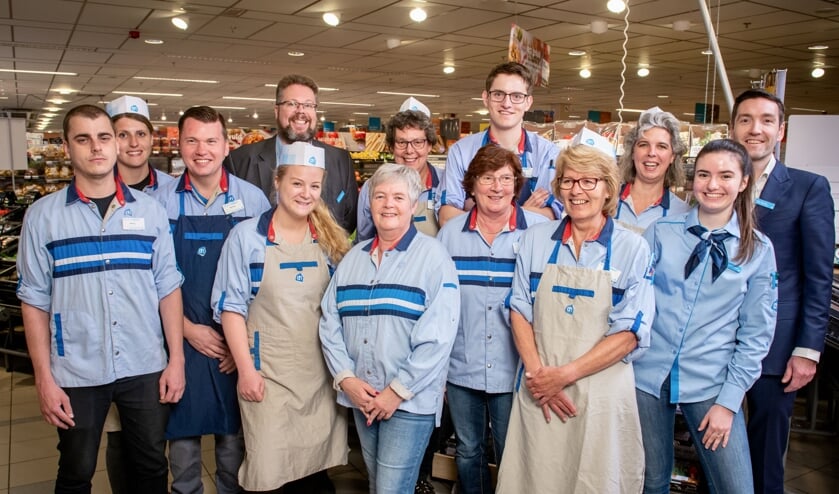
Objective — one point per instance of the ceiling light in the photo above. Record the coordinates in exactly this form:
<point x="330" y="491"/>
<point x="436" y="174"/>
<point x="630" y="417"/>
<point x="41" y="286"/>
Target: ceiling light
<point x="229" y="118"/>
<point x="45" y="72"/>
<point x="409" y="94"/>
<point x="448" y="69"/>
<point x="573" y="116"/>
<point x="294" y="54"/>
<point x="689" y="114"/>
<point x="341" y="103"/>
<point x="643" y="72"/>
<point x="393" y="43"/>
<point x="322" y="119"/>
<point x="585" y="73"/>
<point x="616" y="6"/>
<point x="418" y="15"/>
<point x="181" y="112"/>
<point x="180" y="22"/>
<point x="817" y="72"/>
<point x="577" y="53"/>
<point x="681" y="25"/>
<point x="599" y="26"/>
<point x="152" y="41"/>
<point x="707" y="52"/>
<point x="663" y="96"/>
<point x="332" y="18"/>
<point x="477" y="99"/>
<point x="198" y="81"/>
<point x="319" y="88"/>
<point x="255" y="115"/>
<point x="163" y="116"/>
<point x="818" y="47"/>
<point x="64" y="91"/>
<point x="135" y="93"/>
<point x="482" y="112"/>
<point x="630" y="110"/>
<point x="360" y="113"/>
<point x="52" y="108"/>
<point x="229" y="107"/>
<point x="808" y="109"/>
<point x="245" y="98"/>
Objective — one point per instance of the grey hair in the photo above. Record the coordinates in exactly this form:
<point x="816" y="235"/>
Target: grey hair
<point x="650" y="119"/>
<point x="392" y="172"/>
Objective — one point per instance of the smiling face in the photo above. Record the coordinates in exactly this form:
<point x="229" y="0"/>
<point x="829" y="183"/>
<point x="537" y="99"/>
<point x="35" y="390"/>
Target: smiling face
<point x="296" y="124"/>
<point x="414" y="157"/>
<point x="495" y="198"/>
<point x="718" y="179"/>
<point x="391" y="208"/>
<point x="299" y="189"/>
<point x="652" y="155"/>
<point x="203" y="147"/>
<point x="506" y="115"/>
<point x="135" y="142"/>
<point x="758" y="127"/>
<point x="91" y="146"/>
<point x="583" y="205"/>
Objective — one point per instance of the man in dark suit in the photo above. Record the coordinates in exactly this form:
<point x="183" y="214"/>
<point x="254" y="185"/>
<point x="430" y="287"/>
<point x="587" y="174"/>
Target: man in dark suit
<point x="295" y="107"/>
<point x="795" y="209"/>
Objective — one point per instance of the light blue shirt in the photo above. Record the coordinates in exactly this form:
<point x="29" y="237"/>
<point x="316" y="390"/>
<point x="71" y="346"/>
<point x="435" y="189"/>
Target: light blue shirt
<point x="484" y="356"/>
<point x="393" y="325"/>
<point x="101" y="281"/>
<point x="709" y="337"/>
<point x="365" y="228"/>
<point x="632" y="292"/>
<point x="669" y="205"/>
<point x="539" y="156"/>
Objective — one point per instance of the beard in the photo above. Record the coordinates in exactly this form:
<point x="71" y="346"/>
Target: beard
<point x="289" y="135"/>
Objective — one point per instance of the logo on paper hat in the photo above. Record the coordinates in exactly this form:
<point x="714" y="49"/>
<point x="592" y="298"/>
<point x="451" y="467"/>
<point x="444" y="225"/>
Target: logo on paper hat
<point x="127" y="104"/>
<point x="301" y="153"/>
<point x="591" y="138"/>
<point x="415" y="105"/>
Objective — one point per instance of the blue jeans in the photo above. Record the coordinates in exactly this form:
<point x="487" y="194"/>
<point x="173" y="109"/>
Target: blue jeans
<point x="185" y="461"/>
<point x="143" y="423"/>
<point x="393" y="449"/>
<point x="728" y="470"/>
<point x="469" y="409"/>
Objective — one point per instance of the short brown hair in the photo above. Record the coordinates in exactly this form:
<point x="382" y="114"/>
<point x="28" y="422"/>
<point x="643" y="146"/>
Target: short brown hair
<point x="134" y="116"/>
<point x="91" y="112"/>
<point x="509" y="68"/>
<point x="293" y="79"/>
<point x="492" y="158"/>
<point x="583" y="158"/>
<point x="204" y="114"/>
<point x="410" y="119"/>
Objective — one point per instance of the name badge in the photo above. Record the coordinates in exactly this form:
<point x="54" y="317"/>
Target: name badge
<point x="133" y="223"/>
<point x="232" y="207"/>
<point x="527" y="172"/>
<point x="765" y="203"/>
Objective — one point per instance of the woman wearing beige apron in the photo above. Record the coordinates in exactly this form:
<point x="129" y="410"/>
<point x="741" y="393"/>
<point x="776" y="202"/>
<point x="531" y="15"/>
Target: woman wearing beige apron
<point x="271" y="277"/>
<point x="582" y="301"/>
<point x="410" y="135"/>
<point x="650" y="165"/>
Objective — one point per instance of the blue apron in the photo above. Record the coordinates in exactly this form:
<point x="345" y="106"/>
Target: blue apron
<point x="210" y="404"/>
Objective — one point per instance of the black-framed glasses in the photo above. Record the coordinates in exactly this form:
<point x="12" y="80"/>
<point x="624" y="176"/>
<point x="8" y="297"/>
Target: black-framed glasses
<point x="294" y="105"/>
<point x="584" y="183"/>
<point x="498" y="96"/>
<point x="491" y="179"/>
<point x="416" y="144"/>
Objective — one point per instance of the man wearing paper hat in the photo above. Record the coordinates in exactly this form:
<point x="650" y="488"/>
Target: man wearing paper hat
<point x="295" y="109"/>
<point x="507" y="97"/>
<point x="134" y="133"/>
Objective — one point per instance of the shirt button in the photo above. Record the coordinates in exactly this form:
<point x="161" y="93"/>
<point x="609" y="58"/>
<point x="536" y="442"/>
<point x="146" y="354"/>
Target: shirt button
<point x="489" y="308"/>
<point x="107" y="261"/>
<point x="489" y="366"/>
<point x="114" y="323"/>
<point x="365" y="341"/>
<point x="369" y="372"/>
<point x="489" y="336"/>
<point x="116" y="353"/>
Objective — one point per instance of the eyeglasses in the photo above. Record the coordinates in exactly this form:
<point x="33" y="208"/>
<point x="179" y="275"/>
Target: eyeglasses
<point x="491" y="179"/>
<point x="294" y="105"/>
<point x="584" y="183"/>
<point x="416" y="144"/>
<point x="499" y="96"/>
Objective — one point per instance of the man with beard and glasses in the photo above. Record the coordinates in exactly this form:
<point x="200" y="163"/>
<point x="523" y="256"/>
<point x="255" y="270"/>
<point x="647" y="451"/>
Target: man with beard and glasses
<point x="295" y="107"/>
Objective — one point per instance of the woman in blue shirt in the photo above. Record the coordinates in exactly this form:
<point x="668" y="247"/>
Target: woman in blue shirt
<point x="650" y="166"/>
<point x="716" y="298"/>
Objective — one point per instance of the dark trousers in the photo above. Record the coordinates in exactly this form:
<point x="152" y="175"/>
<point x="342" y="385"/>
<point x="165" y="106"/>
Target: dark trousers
<point x="143" y="421"/>
<point x="770" y="410"/>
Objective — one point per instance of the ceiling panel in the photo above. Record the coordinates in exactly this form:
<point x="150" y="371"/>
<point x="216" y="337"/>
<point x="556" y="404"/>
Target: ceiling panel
<point x="113" y="15"/>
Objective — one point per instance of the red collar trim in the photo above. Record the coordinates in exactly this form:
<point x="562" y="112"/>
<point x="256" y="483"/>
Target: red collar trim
<point x="567" y="233"/>
<point x="522" y="140"/>
<point x="627" y="188"/>
<point x="511" y="224"/>
<point x="272" y="235"/>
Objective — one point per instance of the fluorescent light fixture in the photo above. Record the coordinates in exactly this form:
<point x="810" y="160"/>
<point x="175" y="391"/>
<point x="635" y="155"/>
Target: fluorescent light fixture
<point x="577" y="53"/>
<point x="198" y="81"/>
<point x="418" y="15"/>
<point x="245" y="98"/>
<point x="268" y="84"/>
<point x="341" y="103"/>
<point x="482" y="112"/>
<point x="689" y="114"/>
<point x="137" y="93"/>
<point x="180" y="22"/>
<point x="229" y="107"/>
<point x="448" y="69"/>
<point x="331" y="18"/>
<point x="616" y="6"/>
<point x="585" y="73"/>
<point x="663" y="96"/>
<point x="409" y="94"/>
<point x="64" y="91"/>
<point x="630" y="110"/>
<point x="360" y="113"/>
<point x="573" y="116"/>
<point x="294" y="53"/>
<point x="476" y="99"/>
<point x="643" y="72"/>
<point x="51" y="108"/>
<point x="153" y="41"/>
<point x="818" y="47"/>
<point x="808" y="109"/>
<point x="707" y="52"/>
<point x="57" y="101"/>
<point x="45" y="72"/>
<point x="817" y="72"/>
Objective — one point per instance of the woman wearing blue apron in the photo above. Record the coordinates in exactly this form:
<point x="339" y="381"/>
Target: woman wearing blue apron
<point x="650" y="166"/>
<point x="582" y="302"/>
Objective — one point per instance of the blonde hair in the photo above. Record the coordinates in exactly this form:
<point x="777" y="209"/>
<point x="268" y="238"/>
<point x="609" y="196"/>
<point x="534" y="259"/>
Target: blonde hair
<point x="589" y="161"/>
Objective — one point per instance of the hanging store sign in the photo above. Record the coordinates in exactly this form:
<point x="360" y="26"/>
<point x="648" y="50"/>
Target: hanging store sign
<point x="531" y="52"/>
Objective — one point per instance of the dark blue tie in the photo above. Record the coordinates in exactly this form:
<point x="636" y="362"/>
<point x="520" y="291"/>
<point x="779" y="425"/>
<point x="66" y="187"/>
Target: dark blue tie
<point x="719" y="256"/>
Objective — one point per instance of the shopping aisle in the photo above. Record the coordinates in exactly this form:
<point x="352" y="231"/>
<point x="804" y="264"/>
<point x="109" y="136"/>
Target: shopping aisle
<point x="28" y="457"/>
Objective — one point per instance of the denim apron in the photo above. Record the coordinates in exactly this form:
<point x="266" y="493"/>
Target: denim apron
<point x="600" y="449"/>
<point x="298" y="428"/>
<point x="209" y="404"/>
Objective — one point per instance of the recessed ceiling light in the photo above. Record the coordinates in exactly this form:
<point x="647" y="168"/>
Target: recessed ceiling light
<point x="707" y="52"/>
<point x="585" y="73"/>
<point x="817" y="72"/>
<point x="448" y="69"/>
<point x="332" y="18"/>
<point x="294" y="54"/>
<point x="818" y="47"/>
<point x="153" y="41"/>
<point x="180" y="22"/>
<point x="616" y="6"/>
<point x="577" y="53"/>
<point x="64" y="90"/>
<point x="409" y="94"/>
<point x="418" y="15"/>
<point x="135" y="93"/>
<point x="198" y="81"/>
<point x="643" y="72"/>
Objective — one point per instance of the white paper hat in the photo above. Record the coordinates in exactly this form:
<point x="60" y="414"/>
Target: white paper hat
<point x="415" y="105"/>
<point x="127" y="104"/>
<point x="301" y="153"/>
<point x="595" y="140"/>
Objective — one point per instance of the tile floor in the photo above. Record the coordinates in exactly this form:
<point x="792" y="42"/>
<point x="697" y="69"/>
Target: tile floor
<point x="28" y="456"/>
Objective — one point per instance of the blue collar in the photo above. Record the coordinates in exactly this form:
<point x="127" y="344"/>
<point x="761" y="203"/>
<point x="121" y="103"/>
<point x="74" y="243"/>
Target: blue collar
<point x="521" y="222"/>
<point x="403" y="244"/>
<point x="123" y="192"/>
<point x="264" y="221"/>
<point x="732" y="227"/>
<point x="603" y="239"/>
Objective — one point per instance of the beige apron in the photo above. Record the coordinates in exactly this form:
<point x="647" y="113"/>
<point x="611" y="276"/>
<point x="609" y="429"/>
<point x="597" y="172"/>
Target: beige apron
<point x="599" y="450"/>
<point x="298" y="429"/>
<point x="424" y="218"/>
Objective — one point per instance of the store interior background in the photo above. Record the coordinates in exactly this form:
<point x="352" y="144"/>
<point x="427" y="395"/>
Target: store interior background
<point x="233" y="51"/>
